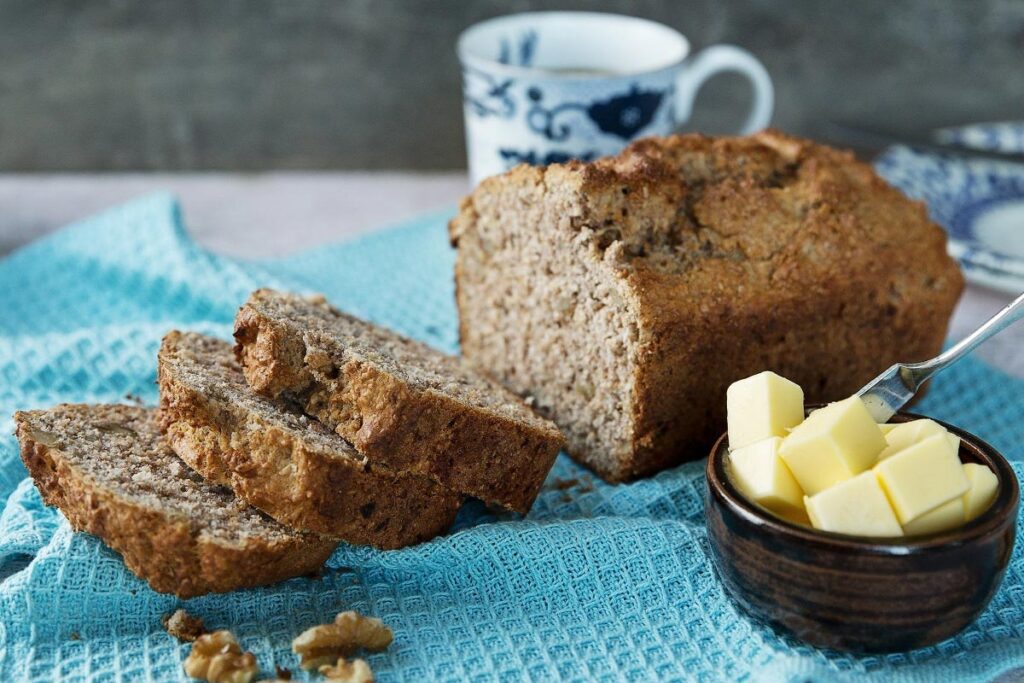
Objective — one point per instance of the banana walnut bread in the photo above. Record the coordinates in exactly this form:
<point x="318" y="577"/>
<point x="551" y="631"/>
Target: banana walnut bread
<point x="398" y="401"/>
<point x="109" y="472"/>
<point x="283" y="462"/>
<point x="625" y="295"/>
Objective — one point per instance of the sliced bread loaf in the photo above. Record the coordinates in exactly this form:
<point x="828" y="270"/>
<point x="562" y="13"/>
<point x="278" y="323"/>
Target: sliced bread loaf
<point x="286" y="464"/>
<point x="626" y="294"/>
<point x="398" y="401"/>
<point x="108" y="471"/>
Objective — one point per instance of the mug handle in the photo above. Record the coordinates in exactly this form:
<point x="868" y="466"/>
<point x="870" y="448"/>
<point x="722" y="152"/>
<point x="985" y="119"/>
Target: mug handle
<point x="719" y="58"/>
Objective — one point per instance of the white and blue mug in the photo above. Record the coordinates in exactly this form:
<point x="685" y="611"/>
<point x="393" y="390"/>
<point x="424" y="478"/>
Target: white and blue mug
<point x="545" y="87"/>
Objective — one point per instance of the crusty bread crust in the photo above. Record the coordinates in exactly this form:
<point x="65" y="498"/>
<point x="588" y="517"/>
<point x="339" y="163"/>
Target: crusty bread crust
<point x="499" y="458"/>
<point x="169" y="551"/>
<point x="298" y="481"/>
<point x="728" y="256"/>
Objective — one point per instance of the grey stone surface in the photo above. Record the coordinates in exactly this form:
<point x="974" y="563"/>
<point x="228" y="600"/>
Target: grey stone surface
<point x="249" y="215"/>
<point x="258" y="84"/>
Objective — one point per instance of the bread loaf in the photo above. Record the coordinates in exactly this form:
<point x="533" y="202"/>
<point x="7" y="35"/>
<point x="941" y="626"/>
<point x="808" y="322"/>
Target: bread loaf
<point x="625" y="295"/>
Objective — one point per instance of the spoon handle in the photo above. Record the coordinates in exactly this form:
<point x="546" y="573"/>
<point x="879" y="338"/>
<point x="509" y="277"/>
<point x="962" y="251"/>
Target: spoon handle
<point x="918" y="373"/>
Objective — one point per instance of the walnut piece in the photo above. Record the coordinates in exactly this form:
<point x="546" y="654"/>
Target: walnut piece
<point x="349" y="632"/>
<point x="218" y="658"/>
<point x="356" y="671"/>
<point x="183" y="626"/>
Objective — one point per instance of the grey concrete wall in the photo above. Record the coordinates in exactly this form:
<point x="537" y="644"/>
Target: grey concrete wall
<point x="257" y="84"/>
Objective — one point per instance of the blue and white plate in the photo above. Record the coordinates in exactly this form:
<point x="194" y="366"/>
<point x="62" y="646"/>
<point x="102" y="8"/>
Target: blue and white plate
<point x="979" y="202"/>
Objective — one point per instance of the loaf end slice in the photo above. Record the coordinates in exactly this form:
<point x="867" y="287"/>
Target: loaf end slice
<point x="398" y="401"/>
<point x="106" y="468"/>
<point x="283" y="462"/>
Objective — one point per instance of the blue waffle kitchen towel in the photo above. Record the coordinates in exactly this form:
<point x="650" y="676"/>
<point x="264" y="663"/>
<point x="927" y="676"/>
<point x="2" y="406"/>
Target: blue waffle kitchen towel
<point x="600" y="582"/>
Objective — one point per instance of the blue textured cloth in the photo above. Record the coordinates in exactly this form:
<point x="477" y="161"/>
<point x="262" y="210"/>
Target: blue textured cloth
<point x="599" y="582"/>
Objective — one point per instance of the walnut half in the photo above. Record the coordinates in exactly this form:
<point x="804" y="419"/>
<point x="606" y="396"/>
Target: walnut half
<point x="356" y="671"/>
<point x="349" y="632"/>
<point x="218" y="658"/>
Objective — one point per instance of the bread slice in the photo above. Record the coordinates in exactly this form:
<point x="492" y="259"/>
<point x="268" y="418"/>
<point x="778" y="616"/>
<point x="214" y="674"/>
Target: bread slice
<point x="109" y="472"/>
<point x="283" y="462"/>
<point x="398" y="401"/>
<point x="626" y="294"/>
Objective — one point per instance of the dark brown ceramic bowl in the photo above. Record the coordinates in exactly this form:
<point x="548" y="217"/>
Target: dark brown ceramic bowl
<point x="856" y="593"/>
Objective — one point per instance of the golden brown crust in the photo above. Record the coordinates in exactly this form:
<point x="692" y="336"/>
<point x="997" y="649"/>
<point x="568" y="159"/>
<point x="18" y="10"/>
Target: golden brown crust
<point x="496" y="458"/>
<point x="733" y="255"/>
<point x="167" y="551"/>
<point x="829" y="305"/>
<point x="295" y="482"/>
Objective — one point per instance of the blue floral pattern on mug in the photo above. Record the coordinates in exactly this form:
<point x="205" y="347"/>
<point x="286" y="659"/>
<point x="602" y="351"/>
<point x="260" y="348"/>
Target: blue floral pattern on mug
<point x="623" y="115"/>
<point x="487" y="95"/>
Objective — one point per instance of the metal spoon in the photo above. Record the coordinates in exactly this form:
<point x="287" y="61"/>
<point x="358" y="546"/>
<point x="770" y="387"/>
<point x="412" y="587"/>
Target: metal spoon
<point x="891" y="390"/>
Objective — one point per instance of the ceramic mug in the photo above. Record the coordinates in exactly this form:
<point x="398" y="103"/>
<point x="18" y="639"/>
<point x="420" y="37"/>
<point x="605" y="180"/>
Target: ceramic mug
<point x="544" y="87"/>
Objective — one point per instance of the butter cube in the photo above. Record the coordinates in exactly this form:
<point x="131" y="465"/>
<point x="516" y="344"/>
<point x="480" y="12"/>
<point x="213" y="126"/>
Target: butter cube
<point x="856" y="506"/>
<point x="907" y="434"/>
<point x="984" y="484"/>
<point x="888" y="427"/>
<point x="833" y="444"/>
<point x="947" y="516"/>
<point x="760" y="474"/>
<point x="762" y="406"/>
<point x="922" y="477"/>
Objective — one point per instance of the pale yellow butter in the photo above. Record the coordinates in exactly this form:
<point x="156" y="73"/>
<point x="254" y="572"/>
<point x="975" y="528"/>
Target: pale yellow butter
<point x="841" y="472"/>
<point x="907" y="434"/>
<point x="856" y="506"/>
<point x="833" y="444"/>
<point x="922" y="477"/>
<point x="760" y="474"/>
<point x="762" y="406"/>
<point x="979" y="497"/>
<point x="947" y="516"/>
